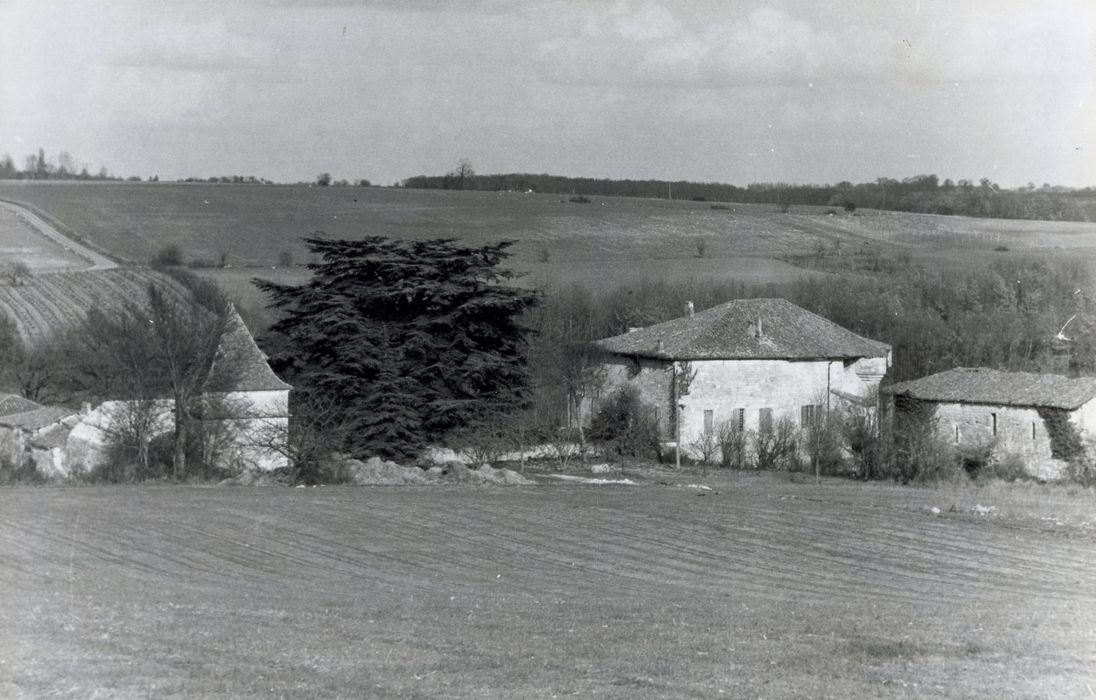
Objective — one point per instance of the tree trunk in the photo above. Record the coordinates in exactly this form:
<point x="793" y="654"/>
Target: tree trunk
<point x="178" y="460"/>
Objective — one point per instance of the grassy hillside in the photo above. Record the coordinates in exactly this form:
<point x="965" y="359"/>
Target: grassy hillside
<point x="765" y="589"/>
<point x="606" y="241"/>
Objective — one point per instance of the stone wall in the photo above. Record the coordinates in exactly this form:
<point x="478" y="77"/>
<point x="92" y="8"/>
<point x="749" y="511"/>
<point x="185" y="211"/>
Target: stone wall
<point x="782" y="387"/>
<point x="250" y="420"/>
<point x="253" y="422"/>
<point x="1012" y="430"/>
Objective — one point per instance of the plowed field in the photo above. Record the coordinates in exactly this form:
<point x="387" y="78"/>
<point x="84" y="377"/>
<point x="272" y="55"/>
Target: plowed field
<point x="47" y="303"/>
<point x="765" y="589"/>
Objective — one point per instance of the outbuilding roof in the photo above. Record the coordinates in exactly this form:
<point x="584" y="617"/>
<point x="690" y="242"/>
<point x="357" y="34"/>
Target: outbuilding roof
<point x="36" y="419"/>
<point x="997" y="387"/>
<point x="11" y="403"/>
<point x="746" y="329"/>
<point x="240" y="365"/>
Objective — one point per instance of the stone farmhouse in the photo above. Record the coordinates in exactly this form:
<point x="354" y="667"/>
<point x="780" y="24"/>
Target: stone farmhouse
<point x="250" y="405"/>
<point x="1030" y="416"/>
<point x="750" y="361"/>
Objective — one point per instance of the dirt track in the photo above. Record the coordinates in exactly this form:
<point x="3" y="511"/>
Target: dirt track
<point x="96" y="261"/>
<point x="763" y="590"/>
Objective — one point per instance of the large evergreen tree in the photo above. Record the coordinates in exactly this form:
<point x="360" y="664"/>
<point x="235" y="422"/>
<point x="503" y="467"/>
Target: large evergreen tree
<point x="412" y="339"/>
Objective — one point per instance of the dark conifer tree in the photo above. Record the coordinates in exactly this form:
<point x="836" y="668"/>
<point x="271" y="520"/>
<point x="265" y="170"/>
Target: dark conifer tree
<point x="413" y="339"/>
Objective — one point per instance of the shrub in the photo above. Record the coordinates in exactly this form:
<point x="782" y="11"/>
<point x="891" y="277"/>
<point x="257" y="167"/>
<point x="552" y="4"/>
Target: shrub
<point x="775" y="447"/>
<point x="860" y="432"/>
<point x="823" y="442"/>
<point x="566" y="443"/>
<point x="706" y="447"/>
<point x="168" y="256"/>
<point x="1009" y="467"/>
<point x="734" y="445"/>
<point x="920" y="454"/>
<point x="204" y="291"/>
<point x="701" y="246"/>
<point x="483" y="443"/>
<point x="16" y="272"/>
<point x="24" y="472"/>
<point x="626" y="425"/>
<point x="580" y="199"/>
<point x="123" y="462"/>
<point x="977" y="459"/>
<point x="1080" y="468"/>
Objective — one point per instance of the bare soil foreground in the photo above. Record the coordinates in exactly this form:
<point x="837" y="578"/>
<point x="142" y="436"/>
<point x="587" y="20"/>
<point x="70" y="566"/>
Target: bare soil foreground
<point x="757" y="588"/>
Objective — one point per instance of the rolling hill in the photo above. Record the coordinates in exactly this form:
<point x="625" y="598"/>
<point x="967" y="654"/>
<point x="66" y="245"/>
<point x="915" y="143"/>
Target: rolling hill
<point x="606" y="242"/>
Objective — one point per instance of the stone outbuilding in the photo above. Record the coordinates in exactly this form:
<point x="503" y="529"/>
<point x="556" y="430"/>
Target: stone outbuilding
<point x="31" y="431"/>
<point x="1035" y="417"/>
<point x="751" y="362"/>
<point x="245" y="408"/>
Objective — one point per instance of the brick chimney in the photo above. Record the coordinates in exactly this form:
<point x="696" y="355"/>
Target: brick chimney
<point x="689" y="309"/>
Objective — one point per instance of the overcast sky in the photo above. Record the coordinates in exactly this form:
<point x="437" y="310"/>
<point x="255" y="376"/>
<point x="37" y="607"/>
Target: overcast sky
<point x="713" y="90"/>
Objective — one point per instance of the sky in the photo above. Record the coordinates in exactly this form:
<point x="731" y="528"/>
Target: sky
<point x="704" y="90"/>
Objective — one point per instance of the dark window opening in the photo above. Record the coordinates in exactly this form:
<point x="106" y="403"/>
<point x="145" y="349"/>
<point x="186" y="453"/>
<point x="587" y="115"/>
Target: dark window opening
<point x="765" y="420"/>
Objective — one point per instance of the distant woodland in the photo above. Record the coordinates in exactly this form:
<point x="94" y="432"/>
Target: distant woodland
<point x="925" y="194"/>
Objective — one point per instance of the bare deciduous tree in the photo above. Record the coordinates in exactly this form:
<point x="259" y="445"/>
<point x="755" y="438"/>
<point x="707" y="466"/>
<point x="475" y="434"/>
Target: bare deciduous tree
<point x="163" y="349"/>
<point x="308" y="441"/>
<point x="462" y="172"/>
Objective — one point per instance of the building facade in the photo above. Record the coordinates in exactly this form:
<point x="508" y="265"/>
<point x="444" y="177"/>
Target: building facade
<point x="1029" y="416"/>
<point x="751" y="362"/>
<point x="244" y="406"/>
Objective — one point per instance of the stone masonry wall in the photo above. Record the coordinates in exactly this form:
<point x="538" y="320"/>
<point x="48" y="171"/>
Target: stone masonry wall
<point x="653" y="378"/>
<point x="1020" y="431"/>
<point x="724" y="386"/>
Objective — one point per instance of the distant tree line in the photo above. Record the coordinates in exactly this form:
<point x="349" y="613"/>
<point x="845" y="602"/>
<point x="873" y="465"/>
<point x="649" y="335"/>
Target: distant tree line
<point x="37" y="166"/>
<point x="225" y="179"/>
<point x="922" y="193"/>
